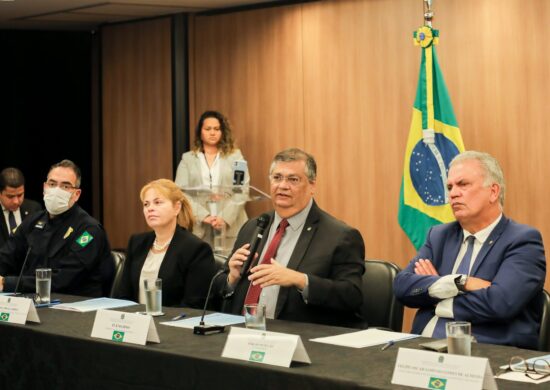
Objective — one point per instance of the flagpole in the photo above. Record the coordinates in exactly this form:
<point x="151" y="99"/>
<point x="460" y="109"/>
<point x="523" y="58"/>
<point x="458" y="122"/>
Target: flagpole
<point x="428" y="13"/>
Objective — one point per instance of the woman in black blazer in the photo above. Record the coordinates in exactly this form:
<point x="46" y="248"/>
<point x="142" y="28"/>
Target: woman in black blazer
<point x="171" y="252"/>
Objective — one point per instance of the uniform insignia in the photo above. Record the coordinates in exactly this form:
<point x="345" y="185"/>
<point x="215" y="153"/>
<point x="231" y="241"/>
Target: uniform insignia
<point x="84" y="239"/>
<point x="40" y="225"/>
<point x="68" y="232"/>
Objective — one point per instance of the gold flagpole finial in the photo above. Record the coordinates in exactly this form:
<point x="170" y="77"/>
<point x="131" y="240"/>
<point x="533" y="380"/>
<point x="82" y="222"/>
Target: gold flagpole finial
<point x="428" y="13"/>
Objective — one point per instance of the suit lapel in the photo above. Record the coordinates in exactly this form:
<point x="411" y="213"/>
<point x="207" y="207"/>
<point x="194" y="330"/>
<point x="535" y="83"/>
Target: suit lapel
<point x="170" y="252"/>
<point x="488" y="244"/>
<point x="24" y="211"/>
<point x="299" y="252"/>
<point x="450" y="252"/>
<point x="144" y="251"/>
<point x="5" y="233"/>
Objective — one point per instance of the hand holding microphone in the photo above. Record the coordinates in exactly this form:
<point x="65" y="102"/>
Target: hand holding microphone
<point x="242" y="259"/>
<point x="236" y="263"/>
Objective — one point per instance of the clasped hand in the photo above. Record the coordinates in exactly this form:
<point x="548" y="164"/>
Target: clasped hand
<point x="216" y="222"/>
<point x="425" y="267"/>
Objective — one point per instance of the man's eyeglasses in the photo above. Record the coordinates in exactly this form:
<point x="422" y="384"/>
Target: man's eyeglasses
<point x="63" y="186"/>
<point x="535" y="369"/>
<point x="278" y="179"/>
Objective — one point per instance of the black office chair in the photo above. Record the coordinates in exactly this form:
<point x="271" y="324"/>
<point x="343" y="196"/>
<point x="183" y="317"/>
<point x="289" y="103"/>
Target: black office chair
<point x="544" y="335"/>
<point x="118" y="258"/>
<point x="380" y="307"/>
<point x="220" y="261"/>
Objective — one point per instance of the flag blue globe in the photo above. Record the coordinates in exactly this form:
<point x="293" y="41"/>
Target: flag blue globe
<point x="424" y="170"/>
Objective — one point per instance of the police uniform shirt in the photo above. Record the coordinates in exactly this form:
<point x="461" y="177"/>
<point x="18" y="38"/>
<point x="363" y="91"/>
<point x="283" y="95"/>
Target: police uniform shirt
<point x="73" y="245"/>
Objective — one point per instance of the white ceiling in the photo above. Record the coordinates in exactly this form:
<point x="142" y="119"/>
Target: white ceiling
<point x="88" y="14"/>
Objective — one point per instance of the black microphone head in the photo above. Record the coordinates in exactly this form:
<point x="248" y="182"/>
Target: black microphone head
<point x="263" y="220"/>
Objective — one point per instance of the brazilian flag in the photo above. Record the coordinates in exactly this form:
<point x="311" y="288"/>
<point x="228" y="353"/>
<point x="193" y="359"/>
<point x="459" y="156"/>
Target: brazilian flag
<point x="434" y="140"/>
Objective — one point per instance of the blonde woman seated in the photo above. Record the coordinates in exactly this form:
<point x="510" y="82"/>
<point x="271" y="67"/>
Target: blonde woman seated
<point x="171" y="252"/>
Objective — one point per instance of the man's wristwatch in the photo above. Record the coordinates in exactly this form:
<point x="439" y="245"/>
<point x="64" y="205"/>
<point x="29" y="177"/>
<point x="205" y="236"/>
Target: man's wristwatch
<point x="460" y="282"/>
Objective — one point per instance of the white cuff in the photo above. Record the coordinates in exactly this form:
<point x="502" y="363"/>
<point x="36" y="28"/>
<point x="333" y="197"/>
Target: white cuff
<point x="444" y="288"/>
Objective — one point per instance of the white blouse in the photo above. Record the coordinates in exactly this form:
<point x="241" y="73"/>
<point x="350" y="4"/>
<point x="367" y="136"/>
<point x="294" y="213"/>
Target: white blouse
<point x="150" y="270"/>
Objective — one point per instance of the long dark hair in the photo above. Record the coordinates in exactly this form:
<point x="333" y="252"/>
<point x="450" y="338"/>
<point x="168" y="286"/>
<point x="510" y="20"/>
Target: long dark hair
<point x="225" y="146"/>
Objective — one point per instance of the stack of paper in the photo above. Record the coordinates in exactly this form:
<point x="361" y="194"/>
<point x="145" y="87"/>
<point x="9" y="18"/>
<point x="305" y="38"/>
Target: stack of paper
<point x="365" y="338"/>
<point x="94" y="304"/>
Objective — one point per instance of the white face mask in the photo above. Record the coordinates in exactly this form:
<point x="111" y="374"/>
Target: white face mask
<point x="56" y="200"/>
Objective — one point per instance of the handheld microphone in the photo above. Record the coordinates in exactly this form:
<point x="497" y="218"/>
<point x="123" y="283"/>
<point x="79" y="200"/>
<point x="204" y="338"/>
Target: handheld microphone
<point x="22" y="269"/>
<point x="263" y="221"/>
<point x="203" y="329"/>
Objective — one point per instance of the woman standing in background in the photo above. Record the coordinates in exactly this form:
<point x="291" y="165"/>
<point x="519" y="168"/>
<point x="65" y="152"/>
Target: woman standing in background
<point x="208" y="165"/>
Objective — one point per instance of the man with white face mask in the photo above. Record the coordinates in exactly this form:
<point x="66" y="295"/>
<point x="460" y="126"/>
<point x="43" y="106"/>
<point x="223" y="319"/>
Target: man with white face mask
<point x="64" y="238"/>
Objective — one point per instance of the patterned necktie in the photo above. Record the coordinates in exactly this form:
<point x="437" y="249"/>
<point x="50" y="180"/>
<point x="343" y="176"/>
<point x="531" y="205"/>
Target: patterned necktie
<point x="11" y="220"/>
<point x="253" y="294"/>
<point x="463" y="269"/>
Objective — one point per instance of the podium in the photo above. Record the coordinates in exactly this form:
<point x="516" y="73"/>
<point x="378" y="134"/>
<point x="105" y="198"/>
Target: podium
<point x="227" y="202"/>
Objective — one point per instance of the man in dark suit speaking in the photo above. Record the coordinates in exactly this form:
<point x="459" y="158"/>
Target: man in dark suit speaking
<point x="484" y="268"/>
<point x="14" y="205"/>
<point x="310" y="264"/>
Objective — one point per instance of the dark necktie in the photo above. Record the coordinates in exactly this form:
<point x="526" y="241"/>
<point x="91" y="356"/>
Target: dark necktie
<point x="464" y="269"/>
<point x="11" y="220"/>
<point x="253" y="294"/>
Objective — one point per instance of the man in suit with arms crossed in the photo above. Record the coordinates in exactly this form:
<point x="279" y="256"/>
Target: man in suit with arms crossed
<point x="484" y="268"/>
<point x="315" y="273"/>
<point x="14" y="205"/>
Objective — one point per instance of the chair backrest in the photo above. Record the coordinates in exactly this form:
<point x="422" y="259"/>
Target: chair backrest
<point x="380" y="307"/>
<point x="220" y="261"/>
<point x="544" y="335"/>
<point x="118" y="258"/>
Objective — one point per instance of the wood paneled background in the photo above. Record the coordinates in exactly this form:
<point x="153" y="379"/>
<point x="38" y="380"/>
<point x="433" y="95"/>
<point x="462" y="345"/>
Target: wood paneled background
<point x="137" y="120"/>
<point x="338" y="78"/>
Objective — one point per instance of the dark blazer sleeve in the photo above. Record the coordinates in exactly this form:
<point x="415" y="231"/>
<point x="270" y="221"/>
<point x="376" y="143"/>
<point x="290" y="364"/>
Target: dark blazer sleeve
<point x="516" y="268"/>
<point x="412" y="289"/>
<point x="198" y="265"/>
<point x="341" y="288"/>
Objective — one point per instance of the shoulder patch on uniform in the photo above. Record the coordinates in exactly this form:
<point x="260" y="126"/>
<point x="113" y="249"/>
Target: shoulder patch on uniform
<point x="84" y="239"/>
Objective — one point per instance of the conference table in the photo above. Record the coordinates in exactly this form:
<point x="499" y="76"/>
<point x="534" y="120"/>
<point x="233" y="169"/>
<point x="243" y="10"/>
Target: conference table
<point x="59" y="353"/>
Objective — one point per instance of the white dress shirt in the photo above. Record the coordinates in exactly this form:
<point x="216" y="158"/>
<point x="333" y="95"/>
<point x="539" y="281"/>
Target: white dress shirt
<point x="16" y="214"/>
<point x="269" y="295"/>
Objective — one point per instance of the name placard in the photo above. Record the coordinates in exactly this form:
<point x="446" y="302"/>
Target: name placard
<point x="278" y="349"/>
<point x="433" y="370"/>
<point x="124" y="327"/>
<point x="17" y="310"/>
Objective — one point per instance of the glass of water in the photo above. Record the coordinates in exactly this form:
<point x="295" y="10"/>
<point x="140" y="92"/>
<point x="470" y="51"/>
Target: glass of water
<point x="43" y="285"/>
<point x="459" y="339"/>
<point x="153" y="296"/>
<point x="254" y="316"/>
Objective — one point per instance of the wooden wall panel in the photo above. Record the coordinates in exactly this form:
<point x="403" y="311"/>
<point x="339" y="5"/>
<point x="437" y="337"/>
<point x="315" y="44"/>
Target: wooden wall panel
<point x="350" y="72"/>
<point x="248" y="65"/>
<point x="137" y="120"/>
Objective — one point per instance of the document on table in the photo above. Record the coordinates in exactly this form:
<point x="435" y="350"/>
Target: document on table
<point x="221" y="319"/>
<point x="94" y="304"/>
<point x="365" y="338"/>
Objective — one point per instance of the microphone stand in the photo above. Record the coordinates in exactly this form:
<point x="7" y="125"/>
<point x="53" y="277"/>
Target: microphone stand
<point x="203" y="329"/>
<point x="15" y="293"/>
